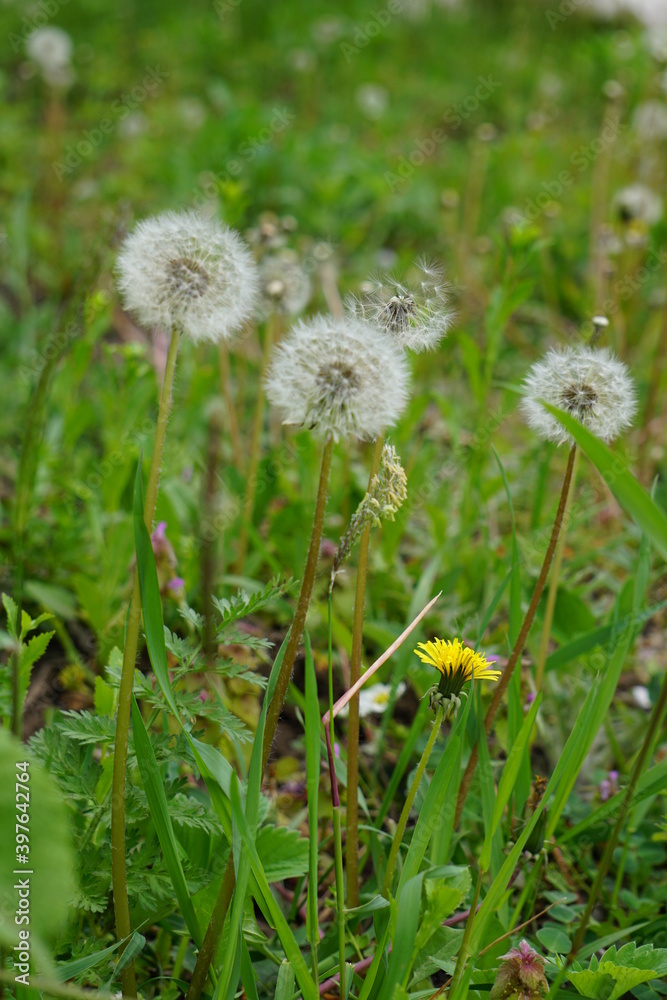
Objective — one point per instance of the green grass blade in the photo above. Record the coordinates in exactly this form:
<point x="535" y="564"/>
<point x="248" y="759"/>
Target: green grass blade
<point x="159" y="809"/>
<point x="268" y="903"/>
<point x="630" y="494"/>
<point x="508" y="780"/>
<point x="416" y="729"/>
<point x="150" y="596"/>
<point x="432" y="812"/>
<point x="652" y="782"/>
<point x="285" y="982"/>
<point x="403" y="943"/>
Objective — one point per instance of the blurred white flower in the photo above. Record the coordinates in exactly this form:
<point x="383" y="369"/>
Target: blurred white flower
<point x="637" y="202"/>
<point x="374" y="700"/>
<point x="50" y="48"/>
<point x="650" y="121"/>
<point x="284" y="285"/>
<point x="182" y="270"/>
<point x="338" y="377"/>
<point x="642" y="697"/>
<point x="373" y="100"/>
<point x="588" y="383"/>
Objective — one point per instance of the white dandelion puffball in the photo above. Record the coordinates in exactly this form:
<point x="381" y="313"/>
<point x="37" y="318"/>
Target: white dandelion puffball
<point x="338" y="377"/>
<point x="50" y="48"/>
<point x="414" y="311"/>
<point x="589" y="384"/>
<point x="638" y="202"/>
<point x="182" y="270"/>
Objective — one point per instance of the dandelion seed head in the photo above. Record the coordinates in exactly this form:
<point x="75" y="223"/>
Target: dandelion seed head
<point x="413" y="311"/>
<point x="591" y="384"/>
<point x="180" y="269"/>
<point x="339" y="377"/>
<point x="50" y="48"/>
<point x="284" y="285"/>
<point x="638" y="203"/>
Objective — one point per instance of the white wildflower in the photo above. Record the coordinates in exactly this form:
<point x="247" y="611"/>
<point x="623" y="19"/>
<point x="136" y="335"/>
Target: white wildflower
<point x="182" y="270"/>
<point x="50" y="48"/>
<point x="637" y="202"/>
<point x="589" y="384"/>
<point x="374" y="700"/>
<point x="285" y="286"/>
<point x="642" y="697"/>
<point x="338" y="377"/>
<point x="414" y="311"/>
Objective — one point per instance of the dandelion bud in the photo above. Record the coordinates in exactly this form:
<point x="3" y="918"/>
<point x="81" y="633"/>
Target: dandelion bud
<point x="588" y="383"/>
<point x="388" y="490"/>
<point x="339" y="378"/>
<point x="182" y="270"/>
<point x="520" y="976"/>
<point x="414" y="312"/>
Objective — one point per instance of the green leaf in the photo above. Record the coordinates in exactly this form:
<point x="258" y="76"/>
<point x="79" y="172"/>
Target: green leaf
<point x="284" y="852"/>
<point x="153" y="783"/>
<point x="630" y="494"/>
<point x="285" y="981"/>
<point x="403" y="940"/>
<point x="554" y="939"/>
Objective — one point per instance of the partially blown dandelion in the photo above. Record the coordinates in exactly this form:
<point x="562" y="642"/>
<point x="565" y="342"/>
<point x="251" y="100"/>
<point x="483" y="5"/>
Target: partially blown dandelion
<point x="457" y="665"/>
<point x="590" y="384"/>
<point x="182" y="270"/>
<point x="413" y="311"/>
<point x="338" y="377"/>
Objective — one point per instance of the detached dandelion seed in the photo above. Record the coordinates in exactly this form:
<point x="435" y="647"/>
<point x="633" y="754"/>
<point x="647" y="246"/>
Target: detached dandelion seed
<point x="413" y="311"/>
<point x="457" y="664"/>
<point x="590" y="384"/>
<point x="182" y="270"/>
<point x="339" y="377"/>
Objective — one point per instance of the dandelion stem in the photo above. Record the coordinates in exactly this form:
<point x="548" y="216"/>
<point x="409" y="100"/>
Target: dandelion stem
<point x="209" y="547"/>
<point x="526" y="626"/>
<point x="255" y="444"/>
<point x="214" y="929"/>
<point x="403" y="820"/>
<point x="463" y="950"/>
<point x="554" y="579"/>
<point x="352" y="818"/>
<point x="118" y="863"/>
<point x="296" y="631"/>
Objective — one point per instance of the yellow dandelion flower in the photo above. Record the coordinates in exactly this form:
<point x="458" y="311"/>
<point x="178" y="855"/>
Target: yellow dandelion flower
<point x="457" y="664"/>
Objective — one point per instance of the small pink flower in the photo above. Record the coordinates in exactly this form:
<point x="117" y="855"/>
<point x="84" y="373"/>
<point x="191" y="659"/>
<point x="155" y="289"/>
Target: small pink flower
<point x="177" y="583"/>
